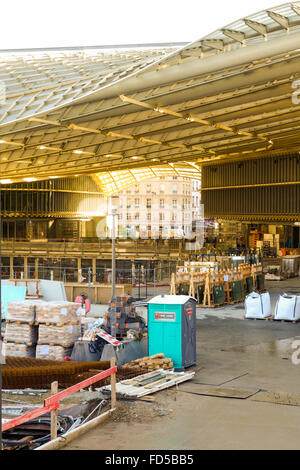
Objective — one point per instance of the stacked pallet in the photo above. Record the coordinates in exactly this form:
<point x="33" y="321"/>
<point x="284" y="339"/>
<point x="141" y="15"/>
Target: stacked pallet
<point x="59" y="328"/>
<point x="214" y="286"/>
<point x="149" y="363"/>
<point x="21" y="331"/>
<point x="45" y="330"/>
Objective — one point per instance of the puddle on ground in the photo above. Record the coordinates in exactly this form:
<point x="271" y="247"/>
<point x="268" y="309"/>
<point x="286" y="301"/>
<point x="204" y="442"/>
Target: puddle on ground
<point x="281" y="348"/>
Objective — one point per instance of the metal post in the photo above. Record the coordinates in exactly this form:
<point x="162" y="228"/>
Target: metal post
<point x="113" y="317"/>
<point x="90" y="283"/>
<point x="146" y="283"/>
<point x="154" y="282"/>
<point x="113" y="262"/>
<point x="139" y="282"/>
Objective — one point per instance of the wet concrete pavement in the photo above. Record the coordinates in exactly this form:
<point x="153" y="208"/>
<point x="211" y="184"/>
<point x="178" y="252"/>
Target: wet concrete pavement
<point x="232" y="353"/>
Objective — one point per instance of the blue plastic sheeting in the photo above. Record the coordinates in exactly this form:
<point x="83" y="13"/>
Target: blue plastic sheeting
<point x="10" y="293"/>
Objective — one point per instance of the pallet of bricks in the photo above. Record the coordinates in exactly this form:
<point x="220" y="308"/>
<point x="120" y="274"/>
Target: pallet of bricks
<point x="45" y="330"/>
<point x="213" y="287"/>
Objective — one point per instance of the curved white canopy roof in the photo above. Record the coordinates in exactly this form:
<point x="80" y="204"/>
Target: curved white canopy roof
<point x="227" y="95"/>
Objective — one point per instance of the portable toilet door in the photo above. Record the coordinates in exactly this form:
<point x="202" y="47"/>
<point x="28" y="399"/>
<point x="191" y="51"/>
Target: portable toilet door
<point x="188" y="325"/>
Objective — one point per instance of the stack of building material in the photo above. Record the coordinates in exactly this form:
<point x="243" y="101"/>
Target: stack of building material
<point x="59" y="328"/>
<point x="63" y="335"/>
<point x="149" y="363"/>
<point x="53" y="352"/>
<point x="60" y="312"/>
<point x="126" y="316"/>
<point x="215" y="287"/>
<point x="21" y="333"/>
<point x="22" y="310"/>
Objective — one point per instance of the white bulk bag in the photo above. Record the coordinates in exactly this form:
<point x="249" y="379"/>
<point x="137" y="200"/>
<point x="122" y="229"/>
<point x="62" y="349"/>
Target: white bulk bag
<point x="258" y="305"/>
<point x="287" y="307"/>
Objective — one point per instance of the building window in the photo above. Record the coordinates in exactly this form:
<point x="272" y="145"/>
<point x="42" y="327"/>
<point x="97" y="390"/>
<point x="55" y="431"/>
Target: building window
<point x="174" y="203"/>
<point x="136" y="188"/>
<point x="128" y="216"/>
<point x="162" y="189"/>
<point x="148" y="204"/>
<point x="149" y="216"/>
<point x="161" y="216"/>
<point x="136" y="202"/>
<point x="162" y="203"/>
<point x="148" y="189"/>
<point x="136" y="216"/>
<point x="175" y="188"/>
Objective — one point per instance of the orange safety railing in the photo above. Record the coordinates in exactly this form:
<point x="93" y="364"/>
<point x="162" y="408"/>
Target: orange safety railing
<point x="52" y="403"/>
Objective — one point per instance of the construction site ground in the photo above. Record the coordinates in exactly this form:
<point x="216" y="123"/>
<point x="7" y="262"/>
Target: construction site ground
<point x="234" y="357"/>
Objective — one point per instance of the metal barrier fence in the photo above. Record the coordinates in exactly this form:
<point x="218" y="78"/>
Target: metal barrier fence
<point x="145" y="282"/>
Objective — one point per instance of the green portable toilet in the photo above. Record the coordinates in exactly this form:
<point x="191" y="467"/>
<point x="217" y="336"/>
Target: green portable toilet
<point x="172" y="328"/>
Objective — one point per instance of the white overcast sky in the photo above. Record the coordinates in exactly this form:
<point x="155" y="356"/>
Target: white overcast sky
<point x="40" y="23"/>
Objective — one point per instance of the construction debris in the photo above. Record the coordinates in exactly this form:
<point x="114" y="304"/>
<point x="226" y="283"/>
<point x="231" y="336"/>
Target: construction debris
<point x="155" y="362"/>
<point x="148" y="383"/>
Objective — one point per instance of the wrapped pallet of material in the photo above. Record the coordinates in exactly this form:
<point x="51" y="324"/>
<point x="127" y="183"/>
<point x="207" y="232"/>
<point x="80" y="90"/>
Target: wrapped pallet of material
<point x="61" y="335"/>
<point x="22" y="310"/>
<point x="55" y="353"/>
<point x="18" y="350"/>
<point x="287" y="308"/>
<point x="21" y="333"/>
<point x="61" y="312"/>
<point x="258" y="305"/>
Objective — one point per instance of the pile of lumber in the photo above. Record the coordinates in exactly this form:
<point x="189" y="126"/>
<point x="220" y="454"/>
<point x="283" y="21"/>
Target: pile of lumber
<point x="155" y="362"/>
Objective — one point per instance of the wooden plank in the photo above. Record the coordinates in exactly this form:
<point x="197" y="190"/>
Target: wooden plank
<point x="217" y="392"/>
<point x="132" y="391"/>
<point x="54" y="413"/>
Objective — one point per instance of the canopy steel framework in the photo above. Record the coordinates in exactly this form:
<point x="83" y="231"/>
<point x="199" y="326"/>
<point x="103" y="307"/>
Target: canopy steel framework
<point x="227" y="96"/>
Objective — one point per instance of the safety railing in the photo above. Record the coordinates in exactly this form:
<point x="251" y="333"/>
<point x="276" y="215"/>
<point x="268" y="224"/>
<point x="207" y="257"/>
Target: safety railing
<point x="51" y="404"/>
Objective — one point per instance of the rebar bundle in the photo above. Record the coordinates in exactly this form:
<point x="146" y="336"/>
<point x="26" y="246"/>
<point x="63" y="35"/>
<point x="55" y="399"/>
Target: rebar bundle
<point x="19" y="373"/>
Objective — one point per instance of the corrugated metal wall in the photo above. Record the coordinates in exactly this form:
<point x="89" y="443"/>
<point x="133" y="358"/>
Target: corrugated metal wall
<point x="274" y="193"/>
<point x="44" y="198"/>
